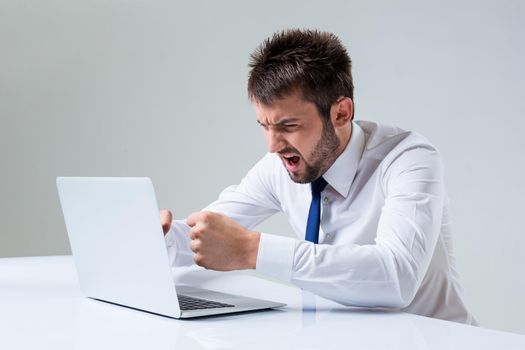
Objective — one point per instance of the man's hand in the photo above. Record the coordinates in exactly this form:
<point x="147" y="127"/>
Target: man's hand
<point x="165" y="220"/>
<point x="219" y="243"/>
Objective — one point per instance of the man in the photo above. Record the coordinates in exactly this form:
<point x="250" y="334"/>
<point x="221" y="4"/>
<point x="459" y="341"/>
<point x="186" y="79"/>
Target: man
<point x="366" y="200"/>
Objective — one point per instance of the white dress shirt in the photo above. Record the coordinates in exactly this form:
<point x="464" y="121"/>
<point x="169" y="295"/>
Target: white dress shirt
<point x="384" y="238"/>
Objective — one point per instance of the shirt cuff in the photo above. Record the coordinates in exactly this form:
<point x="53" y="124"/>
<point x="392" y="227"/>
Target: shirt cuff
<point x="178" y="244"/>
<point x="275" y="256"/>
<point x="170" y="238"/>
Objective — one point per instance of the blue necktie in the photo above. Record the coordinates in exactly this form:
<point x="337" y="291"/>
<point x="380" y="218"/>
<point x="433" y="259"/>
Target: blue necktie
<point x="312" y="226"/>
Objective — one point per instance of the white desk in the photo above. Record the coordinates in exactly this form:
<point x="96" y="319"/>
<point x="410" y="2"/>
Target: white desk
<point x="41" y="308"/>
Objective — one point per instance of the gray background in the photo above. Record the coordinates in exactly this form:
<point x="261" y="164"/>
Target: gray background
<point x="157" y="88"/>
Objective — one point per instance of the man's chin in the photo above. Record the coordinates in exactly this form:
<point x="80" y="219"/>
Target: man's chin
<point x="297" y="177"/>
<point x="303" y="175"/>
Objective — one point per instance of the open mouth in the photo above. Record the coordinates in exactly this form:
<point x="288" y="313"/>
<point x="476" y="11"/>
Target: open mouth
<point x="291" y="162"/>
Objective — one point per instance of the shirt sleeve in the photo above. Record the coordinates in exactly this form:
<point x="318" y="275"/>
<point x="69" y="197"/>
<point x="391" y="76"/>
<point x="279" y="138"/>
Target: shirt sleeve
<point x="249" y="203"/>
<point x="178" y="244"/>
<point x="387" y="273"/>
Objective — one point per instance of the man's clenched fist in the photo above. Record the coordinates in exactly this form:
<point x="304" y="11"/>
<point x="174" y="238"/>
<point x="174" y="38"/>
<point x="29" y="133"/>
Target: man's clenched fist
<point x="219" y="243"/>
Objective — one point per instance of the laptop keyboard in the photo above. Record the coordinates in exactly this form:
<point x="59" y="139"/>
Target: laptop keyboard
<point x="192" y="303"/>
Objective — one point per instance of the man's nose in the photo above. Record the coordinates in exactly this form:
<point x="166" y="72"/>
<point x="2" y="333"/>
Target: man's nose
<point x="274" y="140"/>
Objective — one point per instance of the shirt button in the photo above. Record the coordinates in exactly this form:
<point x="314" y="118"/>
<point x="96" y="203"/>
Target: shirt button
<point x="328" y="236"/>
<point x="325" y="200"/>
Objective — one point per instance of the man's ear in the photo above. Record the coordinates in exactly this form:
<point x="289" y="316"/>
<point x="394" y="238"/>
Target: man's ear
<point x="342" y="111"/>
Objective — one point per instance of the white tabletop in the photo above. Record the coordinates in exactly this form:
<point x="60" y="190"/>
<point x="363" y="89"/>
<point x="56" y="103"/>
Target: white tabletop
<point x="41" y="307"/>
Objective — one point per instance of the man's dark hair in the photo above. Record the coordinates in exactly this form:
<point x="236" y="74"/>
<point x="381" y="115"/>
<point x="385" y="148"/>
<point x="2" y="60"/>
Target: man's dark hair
<point x="312" y="62"/>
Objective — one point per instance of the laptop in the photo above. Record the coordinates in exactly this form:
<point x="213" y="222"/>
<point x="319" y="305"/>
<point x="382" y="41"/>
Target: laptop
<point x="120" y="252"/>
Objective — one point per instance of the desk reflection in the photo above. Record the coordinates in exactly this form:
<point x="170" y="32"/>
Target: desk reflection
<point x="41" y="308"/>
<point x="103" y="326"/>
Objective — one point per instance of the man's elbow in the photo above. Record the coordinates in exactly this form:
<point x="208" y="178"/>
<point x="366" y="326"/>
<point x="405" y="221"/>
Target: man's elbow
<point x="408" y="285"/>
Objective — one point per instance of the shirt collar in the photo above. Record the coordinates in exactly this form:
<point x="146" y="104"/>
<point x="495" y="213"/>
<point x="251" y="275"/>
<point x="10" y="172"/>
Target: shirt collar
<point x="341" y="174"/>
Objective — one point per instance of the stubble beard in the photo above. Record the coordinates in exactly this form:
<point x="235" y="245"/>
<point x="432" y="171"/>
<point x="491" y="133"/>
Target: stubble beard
<point x="323" y="156"/>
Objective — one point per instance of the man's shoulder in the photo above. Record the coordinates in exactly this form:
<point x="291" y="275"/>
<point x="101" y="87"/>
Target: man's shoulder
<point x="267" y="166"/>
<point x="394" y="150"/>
<point x="384" y="141"/>
<point x="268" y="160"/>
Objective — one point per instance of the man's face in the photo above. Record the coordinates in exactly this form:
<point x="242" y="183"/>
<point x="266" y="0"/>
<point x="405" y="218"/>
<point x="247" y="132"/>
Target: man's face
<point x="293" y="128"/>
